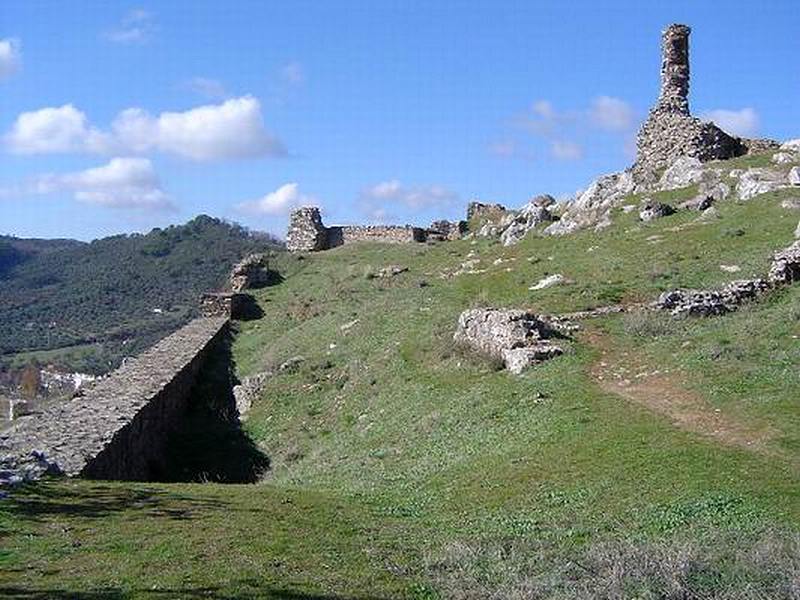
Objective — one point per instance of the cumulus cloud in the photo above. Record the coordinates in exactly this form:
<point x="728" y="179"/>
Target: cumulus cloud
<point x="230" y="130"/>
<point x="612" y="114"/>
<point x="51" y="130"/>
<point x="566" y="150"/>
<point x="744" y="122"/>
<point x="130" y="183"/>
<point x="293" y="73"/>
<point x="379" y="200"/>
<point x="208" y="88"/>
<point x="10" y="57"/>
<point x="279" y="202"/>
<point x="136" y="27"/>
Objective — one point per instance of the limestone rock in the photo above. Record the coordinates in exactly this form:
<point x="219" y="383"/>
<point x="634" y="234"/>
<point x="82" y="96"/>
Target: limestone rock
<point x="249" y="390"/>
<point x="655" y="210"/>
<point x="517" y="360"/>
<point x="543" y="200"/>
<point x="797" y="231"/>
<point x="757" y="181"/>
<point x="782" y="158"/>
<point x="528" y="217"/>
<point x="548" y="281"/>
<point x="685" y="171"/>
<point x="791" y="145"/>
<point x="794" y="176"/>
<point x="593" y="205"/>
<point x="791" y="203"/>
<point x="391" y="271"/>
<point x="500" y="333"/>
<point x="785" y="267"/>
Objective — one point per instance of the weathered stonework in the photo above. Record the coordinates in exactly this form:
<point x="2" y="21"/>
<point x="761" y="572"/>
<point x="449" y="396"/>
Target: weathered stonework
<point x="117" y="429"/>
<point x="223" y="304"/>
<point x="670" y="131"/>
<point x="481" y="210"/>
<point x="307" y="233"/>
<point x="250" y="272"/>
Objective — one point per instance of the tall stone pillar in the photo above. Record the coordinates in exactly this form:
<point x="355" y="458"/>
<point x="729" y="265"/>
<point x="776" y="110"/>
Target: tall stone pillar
<point x="674" y="95"/>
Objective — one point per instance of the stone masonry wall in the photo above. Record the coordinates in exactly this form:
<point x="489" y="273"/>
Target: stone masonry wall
<point x="396" y="234"/>
<point x="118" y="428"/>
<point x="307" y="233"/>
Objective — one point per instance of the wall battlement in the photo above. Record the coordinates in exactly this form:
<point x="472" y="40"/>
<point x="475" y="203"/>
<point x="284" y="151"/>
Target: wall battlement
<point x="307" y="233"/>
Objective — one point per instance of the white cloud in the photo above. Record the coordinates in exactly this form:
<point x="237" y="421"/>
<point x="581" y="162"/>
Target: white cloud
<point x="10" y="57"/>
<point x="208" y="88"/>
<point x="136" y="27"/>
<point x="744" y="122"/>
<point x="279" y="202"/>
<point x="293" y="73"/>
<point x="122" y="183"/>
<point x="49" y="130"/>
<point x="379" y="200"/>
<point x="230" y="130"/>
<point x="565" y="150"/>
<point x="233" y="129"/>
<point x="611" y="114"/>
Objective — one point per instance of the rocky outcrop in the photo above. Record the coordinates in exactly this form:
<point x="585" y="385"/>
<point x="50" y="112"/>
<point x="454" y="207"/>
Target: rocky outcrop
<point x="517" y="338"/>
<point x="785" y="269"/>
<point x="592" y="206"/>
<point x="650" y="210"/>
<point x="754" y="182"/>
<point x="481" y="210"/>
<point x="118" y="428"/>
<point x="520" y="223"/>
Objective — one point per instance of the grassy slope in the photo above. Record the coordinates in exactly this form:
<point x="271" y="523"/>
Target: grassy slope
<point x="389" y="445"/>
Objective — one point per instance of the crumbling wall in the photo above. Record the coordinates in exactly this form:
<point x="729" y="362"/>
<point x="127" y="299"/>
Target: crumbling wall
<point x="307" y="233"/>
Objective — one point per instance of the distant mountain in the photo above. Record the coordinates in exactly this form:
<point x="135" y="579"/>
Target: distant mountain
<point x="85" y="306"/>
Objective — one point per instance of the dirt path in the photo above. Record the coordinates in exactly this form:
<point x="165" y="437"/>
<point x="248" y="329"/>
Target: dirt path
<point x="624" y="374"/>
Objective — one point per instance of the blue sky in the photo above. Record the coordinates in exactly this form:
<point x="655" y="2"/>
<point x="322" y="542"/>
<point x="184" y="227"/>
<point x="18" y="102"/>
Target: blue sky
<point x="119" y="117"/>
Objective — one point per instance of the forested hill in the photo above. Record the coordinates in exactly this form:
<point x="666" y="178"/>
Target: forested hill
<point x="87" y="305"/>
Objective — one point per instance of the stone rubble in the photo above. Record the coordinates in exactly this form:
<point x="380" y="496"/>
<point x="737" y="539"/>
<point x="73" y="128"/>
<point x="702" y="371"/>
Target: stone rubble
<point x="785" y="269"/>
<point x="516" y="337"/>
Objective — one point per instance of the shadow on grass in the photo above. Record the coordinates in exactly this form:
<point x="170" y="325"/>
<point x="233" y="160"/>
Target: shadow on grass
<point x="41" y="501"/>
<point x="255" y="592"/>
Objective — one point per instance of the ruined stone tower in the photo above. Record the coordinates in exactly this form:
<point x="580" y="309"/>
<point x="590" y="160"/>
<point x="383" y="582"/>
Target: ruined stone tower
<point x="674" y="95"/>
<point x="306" y="231"/>
<point x="670" y="131"/>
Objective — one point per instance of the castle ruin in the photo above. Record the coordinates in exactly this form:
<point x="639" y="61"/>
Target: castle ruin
<point x="307" y="233"/>
<point x="670" y="131"/>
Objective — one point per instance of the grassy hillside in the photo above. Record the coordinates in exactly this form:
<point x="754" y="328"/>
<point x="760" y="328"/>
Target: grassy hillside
<point x="88" y="305"/>
<point x="657" y="458"/>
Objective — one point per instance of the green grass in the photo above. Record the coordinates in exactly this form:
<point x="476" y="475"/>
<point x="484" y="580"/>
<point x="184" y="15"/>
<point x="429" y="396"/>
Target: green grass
<point x="390" y="446"/>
